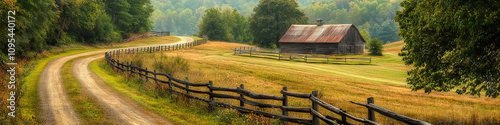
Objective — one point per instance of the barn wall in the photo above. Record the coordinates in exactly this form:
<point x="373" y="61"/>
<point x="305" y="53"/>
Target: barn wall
<point x="352" y="43"/>
<point x="310" y="48"/>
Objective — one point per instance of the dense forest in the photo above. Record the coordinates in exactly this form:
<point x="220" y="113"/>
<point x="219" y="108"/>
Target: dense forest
<point x="374" y="18"/>
<point x="40" y="24"/>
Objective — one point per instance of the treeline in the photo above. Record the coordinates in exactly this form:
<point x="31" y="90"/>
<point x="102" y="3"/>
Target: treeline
<point x="224" y="24"/>
<point x="375" y="17"/>
<point x="44" y="23"/>
<point x="181" y="17"/>
<point x="263" y="28"/>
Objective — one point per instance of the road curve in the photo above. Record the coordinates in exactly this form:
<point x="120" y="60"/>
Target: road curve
<point x="57" y="109"/>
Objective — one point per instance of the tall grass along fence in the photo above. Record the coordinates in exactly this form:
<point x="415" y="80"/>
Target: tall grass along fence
<point x="274" y="54"/>
<point x="245" y="97"/>
<point x="148" y="34"/>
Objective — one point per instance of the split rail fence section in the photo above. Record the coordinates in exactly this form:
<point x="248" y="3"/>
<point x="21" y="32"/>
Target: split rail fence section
<point x="251" y="51"/>
<point x="184" y="87"/>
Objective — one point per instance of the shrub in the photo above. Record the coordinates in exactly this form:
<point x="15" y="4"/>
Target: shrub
<point x="171" y="64"/>
<point x="138" y="61"/>
<point x="375" y="47"/>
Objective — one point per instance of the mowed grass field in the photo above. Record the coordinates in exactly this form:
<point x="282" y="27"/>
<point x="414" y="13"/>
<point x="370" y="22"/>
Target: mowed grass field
<point x="384" y="79"/>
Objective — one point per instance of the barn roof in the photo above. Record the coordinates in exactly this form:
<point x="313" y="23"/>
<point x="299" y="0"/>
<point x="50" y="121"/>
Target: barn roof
<point x="315" y="33"/>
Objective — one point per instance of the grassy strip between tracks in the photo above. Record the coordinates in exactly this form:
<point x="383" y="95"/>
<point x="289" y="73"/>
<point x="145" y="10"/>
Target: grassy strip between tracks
<point x="86" y="107"/>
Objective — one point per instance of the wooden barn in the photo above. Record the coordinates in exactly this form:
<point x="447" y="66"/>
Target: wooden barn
<point x="340" y="39"/>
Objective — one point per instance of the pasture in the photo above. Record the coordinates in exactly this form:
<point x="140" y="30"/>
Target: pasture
<point x="384" y="79"/>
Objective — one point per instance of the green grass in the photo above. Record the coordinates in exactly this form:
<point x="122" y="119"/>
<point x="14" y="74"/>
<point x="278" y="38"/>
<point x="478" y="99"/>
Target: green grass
<point x="83" y="103"/>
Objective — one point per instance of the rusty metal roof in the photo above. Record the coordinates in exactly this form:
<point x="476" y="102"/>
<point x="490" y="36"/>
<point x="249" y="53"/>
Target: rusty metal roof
<point x="315" y="33"/>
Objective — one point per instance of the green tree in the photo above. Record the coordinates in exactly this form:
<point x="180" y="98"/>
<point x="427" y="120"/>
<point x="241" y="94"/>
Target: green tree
<point x="241" y="30"/>
<point x="87" y="22"/>
<point x="375" y="47"/>
<point x="452" y="45"/>
<point x="140" y="10"/>
<point x="34" y="22"/>
<point x="272" y="19"/>
<point x="118" y="10"/>
<point x="365" y="34"/>
<point x="212" y="25"/>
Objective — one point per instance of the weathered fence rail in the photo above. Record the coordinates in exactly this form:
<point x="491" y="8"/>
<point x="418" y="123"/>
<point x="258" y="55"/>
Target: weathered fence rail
<point x="251" y="51"/>
<point x="184" y="87"/>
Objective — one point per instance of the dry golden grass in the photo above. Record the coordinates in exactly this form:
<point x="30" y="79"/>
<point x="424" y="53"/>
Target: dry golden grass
<point x="385" y="80"/>
<point x="150" y="41"/>
<point x="393" y="47"/>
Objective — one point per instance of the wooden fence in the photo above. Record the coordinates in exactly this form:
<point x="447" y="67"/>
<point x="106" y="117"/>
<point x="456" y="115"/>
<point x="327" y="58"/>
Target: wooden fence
<point x="184" y="87"/>
<point x="250" y="51"/>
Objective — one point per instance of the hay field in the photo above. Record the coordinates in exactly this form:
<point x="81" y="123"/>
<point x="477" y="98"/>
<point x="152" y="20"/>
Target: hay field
<point x="384" y="79"/>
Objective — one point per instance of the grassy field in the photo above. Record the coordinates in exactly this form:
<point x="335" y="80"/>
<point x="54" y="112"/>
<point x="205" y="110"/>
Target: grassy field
<point x="384" y="79"/>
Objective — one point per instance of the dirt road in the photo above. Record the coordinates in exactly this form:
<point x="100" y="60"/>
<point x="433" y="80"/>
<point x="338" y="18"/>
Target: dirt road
<point x="57" y="109"/>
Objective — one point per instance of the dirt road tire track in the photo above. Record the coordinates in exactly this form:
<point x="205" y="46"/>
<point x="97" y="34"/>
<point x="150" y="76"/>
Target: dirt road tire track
<point x="56" y="107"/>
<point x="123" y="109"/>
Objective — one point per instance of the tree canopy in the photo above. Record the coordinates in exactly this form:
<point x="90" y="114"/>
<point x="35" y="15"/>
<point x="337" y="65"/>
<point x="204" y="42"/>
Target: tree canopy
<point x="181" y="17"/>
<point x="224" y="24"/>
<point x="272" y="19"/>
<point x="42" y="23"/>
<point x="453" y="45"/>
<point x="374" y="16"/>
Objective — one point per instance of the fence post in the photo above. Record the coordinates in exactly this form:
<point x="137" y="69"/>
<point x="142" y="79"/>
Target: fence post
<point x="211" y="98"/>
<point x="140" y="72"/>
<point x="242" y="104"/>
<point x="117" y="64"/>
<point x="187" y="91"/>
<point x="315" y="108"/>
<point x="305" y="58"/>
<point x="285" y="103"/>
<point x="146" y="74"/>
<point x="279" y="56"/>
<point x="113" y="65"/>
<point x="327" y="59"/>
<point x="370" y="59"/>
<point x="131" y="68"/>
<point x="371" y="113"/>
<point x="156" y="81"/>
<point x="250" y="52"/>
<point x="345" y="59"/>
<point x="170" y="83"/>
<point x="128" y="68"/>
<point x="234" y="51"/>
<point x="344" y="118"/>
